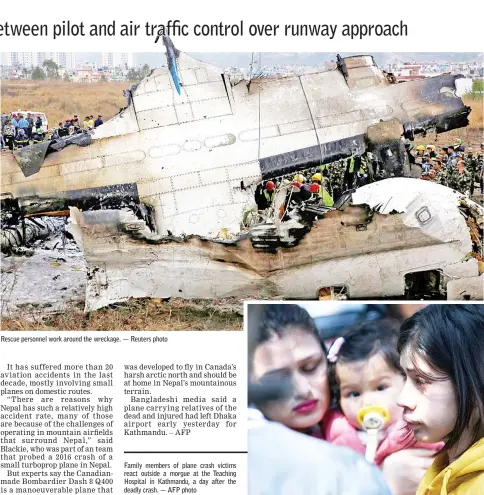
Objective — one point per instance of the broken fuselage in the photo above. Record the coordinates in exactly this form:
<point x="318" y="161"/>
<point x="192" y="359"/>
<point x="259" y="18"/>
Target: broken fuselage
<point x="158" y="196"/>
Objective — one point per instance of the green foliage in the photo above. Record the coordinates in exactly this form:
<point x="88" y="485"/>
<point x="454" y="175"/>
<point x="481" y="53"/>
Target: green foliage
<point x="478" y="85"/>
<point x="51" y="68"/>
<point x="137" y="75"/>
<point x="38" y="74"/>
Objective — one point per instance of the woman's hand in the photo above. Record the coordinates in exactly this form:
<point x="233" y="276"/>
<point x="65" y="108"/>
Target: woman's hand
<point x="404" y="470"/>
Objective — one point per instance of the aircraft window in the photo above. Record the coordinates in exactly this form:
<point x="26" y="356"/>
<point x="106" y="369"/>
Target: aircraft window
<point x="334" y="292"/>
<point x="419" y="285"/>
<point x="423" y="215"/>
<point x="223" y="140"/>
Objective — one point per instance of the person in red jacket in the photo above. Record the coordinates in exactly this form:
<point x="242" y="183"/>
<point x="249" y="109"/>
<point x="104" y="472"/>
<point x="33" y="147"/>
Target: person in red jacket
<point x="366" y="377"/>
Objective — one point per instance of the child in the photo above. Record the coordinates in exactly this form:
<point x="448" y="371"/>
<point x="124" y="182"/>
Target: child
<point x="441" y="350"/>
<point x="366" y="372"/>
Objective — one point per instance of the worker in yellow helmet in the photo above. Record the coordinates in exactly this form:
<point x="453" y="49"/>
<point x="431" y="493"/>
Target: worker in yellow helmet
<point x="324" y="197"/>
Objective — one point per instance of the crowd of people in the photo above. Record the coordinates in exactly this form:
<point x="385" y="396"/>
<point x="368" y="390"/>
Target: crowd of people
<point x="451" y="166"/>
<point x="19" y="131"/>
<point x="422" y="376"/>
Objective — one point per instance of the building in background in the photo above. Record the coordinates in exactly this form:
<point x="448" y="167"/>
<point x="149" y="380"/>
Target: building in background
<point x="120" y="60"/>
<point x="28" y="60"/>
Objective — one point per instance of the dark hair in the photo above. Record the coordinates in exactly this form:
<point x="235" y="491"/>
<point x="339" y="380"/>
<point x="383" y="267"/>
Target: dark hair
<point x="450" y="337"/>
<point x="279" y="319"/>
<point x="365" y="340"/>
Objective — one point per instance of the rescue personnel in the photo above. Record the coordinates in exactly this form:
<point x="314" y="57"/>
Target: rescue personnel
<point x="15" y="122"/>
<point x="336" y="174"/>
<point x="62" y="131"/>
<point x="9" y="132"/>
<point x="420" y="149"/>
<point x="298" y="191"/>
<point x="23" y="124"/>
<point x="90" y="122"/>
<point x="460" y="177"/>
<point x="269" y="192"/>
<point x="38" y="135"/>
<point x="21" y="141"/>
<point x="362" y="175"/>
<point x="480" y="165"/>
<point x="472" y="165"/>
<point x="98" y="121"/>
<point x="451" y="156"/>
<point x="431" y="150"/>
<point x="31" y="125"/>
<point x="322" y="193"/>
<point x="357" y="168"/>
<point x="38" y="122"/>
<point x="264" y="195"/>
<point x="458" y="146"/>
<point x="55" y="134"/>
<point x="426" y="164"/>
<point x="442" y="174"/>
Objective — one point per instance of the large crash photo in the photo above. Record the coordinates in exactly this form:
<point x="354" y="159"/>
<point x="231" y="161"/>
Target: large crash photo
<point x="342" y="181"/>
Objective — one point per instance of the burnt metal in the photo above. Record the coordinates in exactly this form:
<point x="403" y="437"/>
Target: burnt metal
<point x="31" y="158"/>
<point x="455" y="115"/>
<point x="294" y="161"/>
<point x="94" y="198"/>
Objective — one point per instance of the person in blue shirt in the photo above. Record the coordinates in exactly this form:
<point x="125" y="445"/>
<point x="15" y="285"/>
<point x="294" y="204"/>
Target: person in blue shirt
<point x="23" y="123"/>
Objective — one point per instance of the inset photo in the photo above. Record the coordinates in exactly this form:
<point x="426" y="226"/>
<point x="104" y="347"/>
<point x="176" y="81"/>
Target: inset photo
<point x="349" y="398"/>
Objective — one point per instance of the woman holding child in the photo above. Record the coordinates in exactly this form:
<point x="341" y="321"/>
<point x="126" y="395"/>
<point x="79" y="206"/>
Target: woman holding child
<point x="364" y="369"/>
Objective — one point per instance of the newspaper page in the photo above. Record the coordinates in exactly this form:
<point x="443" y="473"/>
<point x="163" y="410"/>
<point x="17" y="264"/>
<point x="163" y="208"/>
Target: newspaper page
<point x="210" y="212"/>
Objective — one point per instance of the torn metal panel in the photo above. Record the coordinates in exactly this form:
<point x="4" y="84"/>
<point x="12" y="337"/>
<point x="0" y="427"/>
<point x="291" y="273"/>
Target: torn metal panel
<point x="28" y="231"/>
<point x="31" y="158"/>
<point x="368" y="252"/>
<point x="301" y="159"/>
<point x="168" y="187"/>
<point x="466" y="289"/>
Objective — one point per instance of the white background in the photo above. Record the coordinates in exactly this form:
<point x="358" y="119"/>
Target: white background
<point x="432" y="26"/>
<point x="182" y="347"/>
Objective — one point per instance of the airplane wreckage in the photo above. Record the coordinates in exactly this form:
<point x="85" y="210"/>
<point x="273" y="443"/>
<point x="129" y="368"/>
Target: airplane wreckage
<point x="164" y="198"/>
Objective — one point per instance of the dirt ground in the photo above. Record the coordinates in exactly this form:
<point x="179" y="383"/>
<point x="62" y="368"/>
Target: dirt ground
<point x="141" y="314"/>
<point x="62" y="100"/>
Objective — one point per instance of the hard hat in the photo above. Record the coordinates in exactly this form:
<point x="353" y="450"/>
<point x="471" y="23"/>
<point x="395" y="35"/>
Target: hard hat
<point x="314" y="188"/>
<point x="270" y="186"/>
<point x="317" y="177"/>
<point x="299" y="178"/>
<point x="429" y="146"/>
<point x="420" y="147"/>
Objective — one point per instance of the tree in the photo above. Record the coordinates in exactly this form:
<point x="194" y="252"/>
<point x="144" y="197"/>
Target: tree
<point x="51" y="68"/>
<point x="104" y="78"/>
<point x="133" y="75"/>
<point x="145" y="71"/>
<point x="66" y="77"/>
<point x="38" y="74"/>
